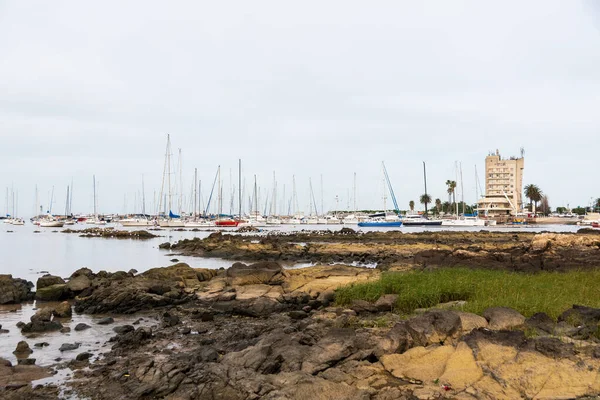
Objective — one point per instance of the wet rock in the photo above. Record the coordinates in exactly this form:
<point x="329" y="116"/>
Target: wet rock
<point x="26" y="361"/>
<point x="42" y="315"/>
<point x="81" y="327"/>
<point x="169" y="319"/>
<point x="41" y="344"/>
<point x="503" y="318"/>
<point x="48" y="280"/>
<point x="386" y="302"/>
<point x="23" y="348"/>
<point x="105" y="321"/>
<point x="186" y="330"/>
<point x="65" y="329"/>
<point x="4" y="331"/>
<point x="13" y="290"/>
<point x="41" y="321"/>
<point x="164" y="246"/>
<point x="56" y="292"/>
<point x="174" y="260"/>
<point x="264" y="272"/>
<point x="63" y="310"/>
<point x="69" y="346"/>
<point x="133" y="339"/>
<point x="83" y="356"/>
<point x="82" y="272"/>
<point x="20" y="324"/>
<point x="123" y="329"/>
<point x="297" y="315"/>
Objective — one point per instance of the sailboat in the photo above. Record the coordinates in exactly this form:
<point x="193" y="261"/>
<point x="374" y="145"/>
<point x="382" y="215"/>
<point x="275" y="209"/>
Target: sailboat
<point x="383" y="220"/>
<point x="142" y="220"/>
<point x="223" y="221"/>
<point x="96" y="219"/>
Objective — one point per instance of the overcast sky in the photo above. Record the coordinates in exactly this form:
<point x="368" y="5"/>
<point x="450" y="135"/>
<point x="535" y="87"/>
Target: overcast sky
<point x="299" y="88"/>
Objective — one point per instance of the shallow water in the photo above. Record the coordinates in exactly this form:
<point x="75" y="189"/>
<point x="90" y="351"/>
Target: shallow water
<point x="93" y="340"/>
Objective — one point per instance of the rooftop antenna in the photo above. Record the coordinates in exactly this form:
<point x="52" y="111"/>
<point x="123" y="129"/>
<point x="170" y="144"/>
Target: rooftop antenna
<point x="522" y="150"/>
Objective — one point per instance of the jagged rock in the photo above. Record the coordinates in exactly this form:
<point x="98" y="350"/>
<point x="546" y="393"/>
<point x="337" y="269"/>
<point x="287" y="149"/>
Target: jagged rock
<point x="13" y="290"/>
<point x="63" y="310"/>
<point x="165" y="246"/>
<point x="434" y="327"/>
<point x="41" y="321"/>
<point x="42" y="344"/>
<point x="387" y="302"/>
<point x="186" y="330"/>
<point x="581" y="315"/>
<point x="81" y="327"/>
<point x="503" y="318"/>
<point x="541" y="322"/>
<point x="105" y="321"/>
<point x="82" y="272"/>
<point x="26" y="361"/>
<point x="56" y="292"/>
<point x="69" y="346"/>
<point x="48" y="280"/>
<point x="264" y="272"/>
<point x="23" y="348"/>
<point x="133" y="338"/>
<point x="65" y="329"/>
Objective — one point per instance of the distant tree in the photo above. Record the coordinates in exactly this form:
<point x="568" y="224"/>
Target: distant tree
<point x="411" y="204"/>
<point x="534" y="194"/>
<point x="425" y="199"/>
<point x="545" y="205"/>
<point x="438" y="205"/>
<point x="578" y="210"/>
<point x="451" y="189"/>
<point x="561" y="210"/>
<point x="447" y="207"/>
<point x="597" y="204"/>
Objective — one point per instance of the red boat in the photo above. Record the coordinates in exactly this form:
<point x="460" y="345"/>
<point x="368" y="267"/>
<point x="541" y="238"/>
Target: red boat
<point x="227" y="222"/>
<point x="595" y="224"/>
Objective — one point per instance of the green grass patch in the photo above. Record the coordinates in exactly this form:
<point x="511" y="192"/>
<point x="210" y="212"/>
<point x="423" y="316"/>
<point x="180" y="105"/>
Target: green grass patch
<point x="549" y="292"/>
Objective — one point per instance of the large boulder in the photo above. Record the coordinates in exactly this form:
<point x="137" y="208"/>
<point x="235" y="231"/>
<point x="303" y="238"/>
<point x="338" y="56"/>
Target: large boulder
<point x="48" y="280"/>
<point x="264" y="272"/>
<point x="63" y="310"/>
<point x="14" y="290"/>
<point x="42" y="321"/>
<point x="79" y="283"/>
<point x="56" y="292"/>
<point x="181" y="273"/>
<point x="503" y="318"/>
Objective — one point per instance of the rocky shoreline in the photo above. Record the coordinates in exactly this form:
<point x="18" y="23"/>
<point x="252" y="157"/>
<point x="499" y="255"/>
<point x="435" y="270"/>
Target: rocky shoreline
<point x="260" y="331"/>
<point x="522" y="251"/>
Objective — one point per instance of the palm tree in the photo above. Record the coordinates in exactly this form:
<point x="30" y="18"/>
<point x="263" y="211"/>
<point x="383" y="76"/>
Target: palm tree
<point x="451" y="191"/>
<point x="597" y="204"/>
<point x="534" y="194"/>
<point x="438" y="205"/>
<point x="425" y="199"/>
<point x="411" y="204"/>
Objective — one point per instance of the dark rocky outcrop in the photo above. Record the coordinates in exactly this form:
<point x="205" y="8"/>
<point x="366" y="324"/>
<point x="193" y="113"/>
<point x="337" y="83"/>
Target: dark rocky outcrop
<point x="42" y="321"/>
<point x="14" y="290"/>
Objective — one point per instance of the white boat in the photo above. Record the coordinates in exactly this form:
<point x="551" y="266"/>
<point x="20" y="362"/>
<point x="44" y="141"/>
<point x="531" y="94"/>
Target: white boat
<point x="419" y="220"/>
<point x="333" y="220"/>
<point x="136" y="222"/>
<point x="18" y="221"/>
<point x="321" y="220"/>
<point x="51" y="223"/>
<point x="464" y="221"/>
<point x="273" y="221"/>
<point x="291" y="221"/>
<point x="310" y="221"/>
<point x="199" y="223"/>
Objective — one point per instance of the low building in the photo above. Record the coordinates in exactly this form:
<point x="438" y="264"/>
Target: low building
<point x="503" y="186"/>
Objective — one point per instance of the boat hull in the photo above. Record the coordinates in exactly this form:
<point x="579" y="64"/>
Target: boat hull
<point x="422" y="223"/>
<point x="227" y="223"/>
<point x="382" y="224"/>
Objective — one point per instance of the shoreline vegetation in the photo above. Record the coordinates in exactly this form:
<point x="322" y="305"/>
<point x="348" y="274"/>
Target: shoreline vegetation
<point x="477" y="290"/>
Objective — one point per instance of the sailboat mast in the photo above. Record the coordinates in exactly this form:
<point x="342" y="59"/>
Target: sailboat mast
<point x="322" y="207"/>
<point x="425" y="181"/>
<point x="354" y="192"/>
<point x="94" y="180"/>
<point x="220" y="193"/>
<point x="195" y="191"/>
<point x="169" y="170"/>
<point x="143" y="197"/>
<point x="462" y="190"/>
<point x="240" y="188"/>
<point x="180" y="202"/>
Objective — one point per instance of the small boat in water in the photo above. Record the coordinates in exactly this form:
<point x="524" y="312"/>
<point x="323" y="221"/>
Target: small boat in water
<point x="227" y="223"/>
<point x="51" y="223"/>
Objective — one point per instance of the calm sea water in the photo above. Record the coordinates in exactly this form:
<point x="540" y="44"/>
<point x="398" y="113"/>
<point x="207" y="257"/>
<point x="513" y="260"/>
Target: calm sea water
<point x="26" y="254"/>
